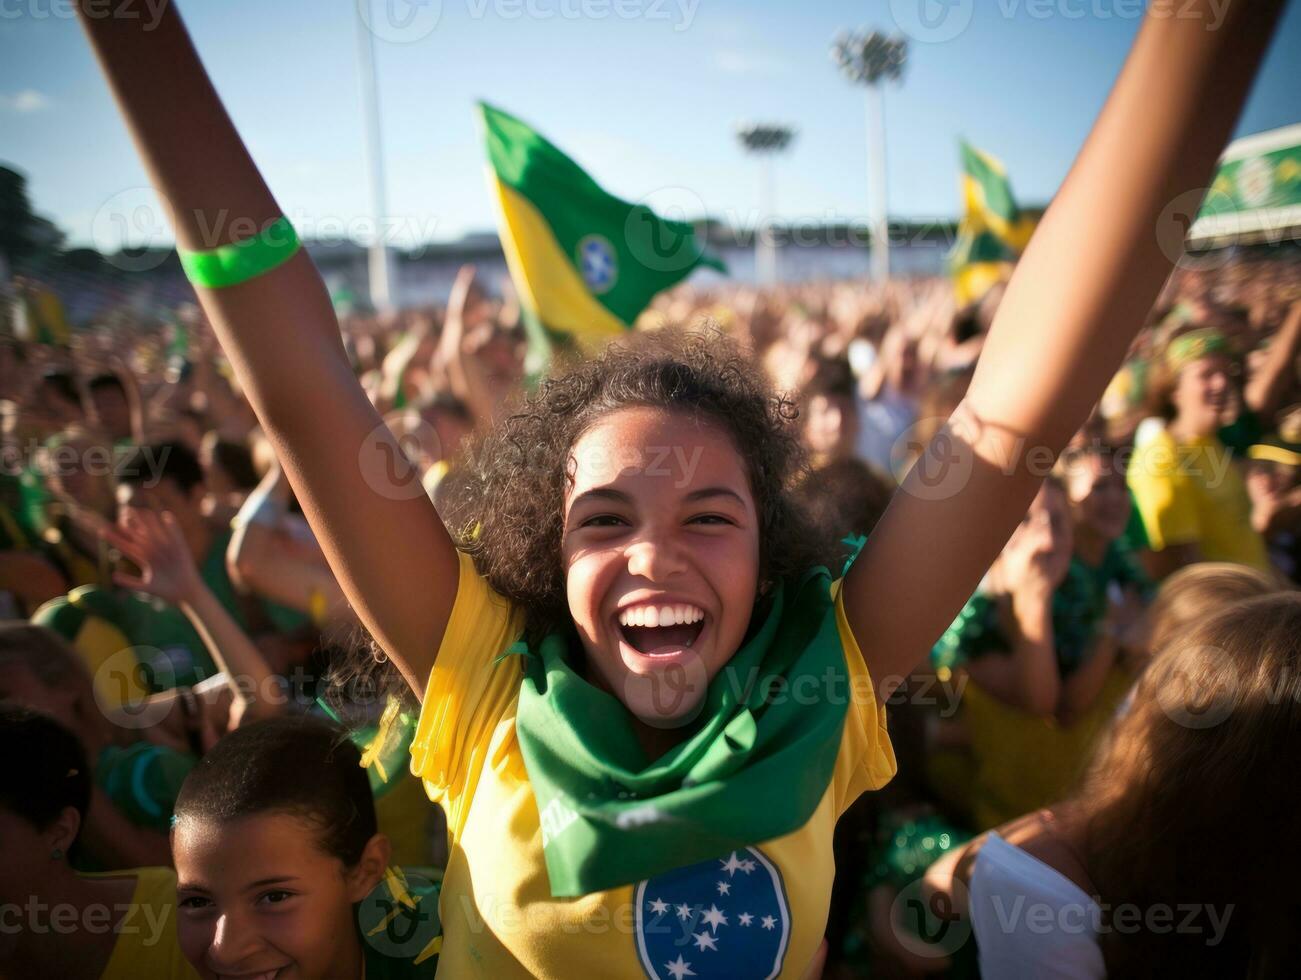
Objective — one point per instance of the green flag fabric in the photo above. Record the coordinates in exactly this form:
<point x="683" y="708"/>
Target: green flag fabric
<point x="584" y="262"/>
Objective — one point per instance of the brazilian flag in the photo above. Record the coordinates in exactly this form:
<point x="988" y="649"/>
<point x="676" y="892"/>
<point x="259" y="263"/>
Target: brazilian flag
<point x="584" y="262"/>
<point x="992" y="233"/>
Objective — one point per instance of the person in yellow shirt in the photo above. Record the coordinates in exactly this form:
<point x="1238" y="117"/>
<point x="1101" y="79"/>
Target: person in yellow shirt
<point x="643" y="750"/>
<point x="1187" y="487"/>
<point x="55" y="922"/>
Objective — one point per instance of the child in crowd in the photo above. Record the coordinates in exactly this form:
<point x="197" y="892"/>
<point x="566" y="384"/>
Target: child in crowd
<point x="282" y="870"/>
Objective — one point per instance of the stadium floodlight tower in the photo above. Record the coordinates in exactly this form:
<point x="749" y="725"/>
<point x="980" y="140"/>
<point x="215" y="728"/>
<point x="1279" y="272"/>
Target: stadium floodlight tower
<point x="378" y="265"/>
<point x="871" y="59"/>
<point x="765" y="141"/>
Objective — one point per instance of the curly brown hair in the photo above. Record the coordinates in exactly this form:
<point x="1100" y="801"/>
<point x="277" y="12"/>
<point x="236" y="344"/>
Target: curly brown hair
<point x="506" y="505"/>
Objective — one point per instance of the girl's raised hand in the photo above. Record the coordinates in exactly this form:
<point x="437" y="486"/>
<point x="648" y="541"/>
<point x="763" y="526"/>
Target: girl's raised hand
<point x="1080" y="293"/>
<point x="279" y="329"/>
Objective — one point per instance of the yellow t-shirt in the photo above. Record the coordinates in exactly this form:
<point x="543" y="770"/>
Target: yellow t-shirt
<point x="146" y="944"/>
<point x="1192" y="493"/>
<point x="758" y="912"/>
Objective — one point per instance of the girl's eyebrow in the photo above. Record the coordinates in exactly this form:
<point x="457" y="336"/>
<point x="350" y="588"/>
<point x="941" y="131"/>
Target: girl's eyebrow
<point x="263" y="882"/>
<point x="701" y="494"/>
<point x="601" y="493"/>
<point x="609" y="493"/>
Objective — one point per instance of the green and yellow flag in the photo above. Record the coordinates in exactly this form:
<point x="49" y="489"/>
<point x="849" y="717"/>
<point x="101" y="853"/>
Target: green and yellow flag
<point x="992" y="233"/>
<point x="41" y="318"/>
<point x="584" y="262"/>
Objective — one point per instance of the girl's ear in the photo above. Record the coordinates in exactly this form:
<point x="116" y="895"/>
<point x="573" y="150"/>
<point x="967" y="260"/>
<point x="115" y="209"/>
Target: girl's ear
<point x="63" y="832"/>
<point x="367" y="872"/>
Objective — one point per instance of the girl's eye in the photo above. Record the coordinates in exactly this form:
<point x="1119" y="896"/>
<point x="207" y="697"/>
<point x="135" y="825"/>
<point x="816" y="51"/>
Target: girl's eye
<point x="603" y="520"/>
<point x="275" y="897"/>
<point x="194" y="902"/>
<point x="709" y="519"/>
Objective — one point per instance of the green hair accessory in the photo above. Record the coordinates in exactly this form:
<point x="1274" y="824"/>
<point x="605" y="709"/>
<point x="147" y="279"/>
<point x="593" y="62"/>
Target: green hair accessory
<point x="1193" y="346"/>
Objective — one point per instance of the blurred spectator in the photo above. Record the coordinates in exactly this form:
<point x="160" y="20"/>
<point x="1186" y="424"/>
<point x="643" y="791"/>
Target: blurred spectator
<point x="1187" y="487"/>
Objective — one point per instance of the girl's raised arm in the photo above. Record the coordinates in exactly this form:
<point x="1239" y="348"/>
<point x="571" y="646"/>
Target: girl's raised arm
<point x="381" y="534"/>
<point x="1079" y="294"/>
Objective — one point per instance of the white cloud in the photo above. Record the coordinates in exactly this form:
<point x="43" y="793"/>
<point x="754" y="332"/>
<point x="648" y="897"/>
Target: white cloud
<point x="28" y="100"/>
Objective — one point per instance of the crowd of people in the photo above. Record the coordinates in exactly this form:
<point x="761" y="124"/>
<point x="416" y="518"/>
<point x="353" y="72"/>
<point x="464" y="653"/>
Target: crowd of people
<point x="647" y="630"/>
<point x="165" y="591"/>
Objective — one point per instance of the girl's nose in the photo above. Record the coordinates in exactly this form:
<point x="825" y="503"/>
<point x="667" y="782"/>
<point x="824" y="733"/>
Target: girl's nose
<point x="230" y="945"/>
<point x="655" y="560"/>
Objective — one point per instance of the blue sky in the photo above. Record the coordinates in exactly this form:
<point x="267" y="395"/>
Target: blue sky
<point x="643" y="93"/>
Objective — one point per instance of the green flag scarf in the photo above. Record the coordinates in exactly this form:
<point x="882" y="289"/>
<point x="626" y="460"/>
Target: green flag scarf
<point x="756" y="770"/>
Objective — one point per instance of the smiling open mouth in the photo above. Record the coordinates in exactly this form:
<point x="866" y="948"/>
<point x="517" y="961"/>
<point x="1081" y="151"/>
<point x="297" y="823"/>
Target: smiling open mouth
<point x="648" y="639"/>
<point x="648" y="630"/>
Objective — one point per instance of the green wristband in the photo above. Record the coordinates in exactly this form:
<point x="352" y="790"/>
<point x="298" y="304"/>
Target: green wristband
<point x="229" y="265"/>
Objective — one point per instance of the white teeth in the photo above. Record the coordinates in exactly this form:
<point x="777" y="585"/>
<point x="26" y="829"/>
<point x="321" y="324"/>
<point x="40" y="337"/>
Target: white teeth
<point x="661" y="615"/>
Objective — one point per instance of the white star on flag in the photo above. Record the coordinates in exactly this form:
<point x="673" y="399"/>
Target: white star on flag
<point x="732" y="865"/>
<point x="707" y="899"/>
<point x="680" y="968"/>
<point x="705" y="941"/>
<point x="714" y="917"/>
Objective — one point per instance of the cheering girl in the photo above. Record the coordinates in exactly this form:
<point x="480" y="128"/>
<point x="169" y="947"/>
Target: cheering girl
<point x="640" y="713"/>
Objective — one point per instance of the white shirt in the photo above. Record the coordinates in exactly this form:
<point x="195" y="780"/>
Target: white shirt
<point x="1029" y="919"/>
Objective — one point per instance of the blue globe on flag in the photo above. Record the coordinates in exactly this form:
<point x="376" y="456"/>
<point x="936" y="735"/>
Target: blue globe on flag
<point x="725" y="918"/>
<point x="597" y="263"/>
